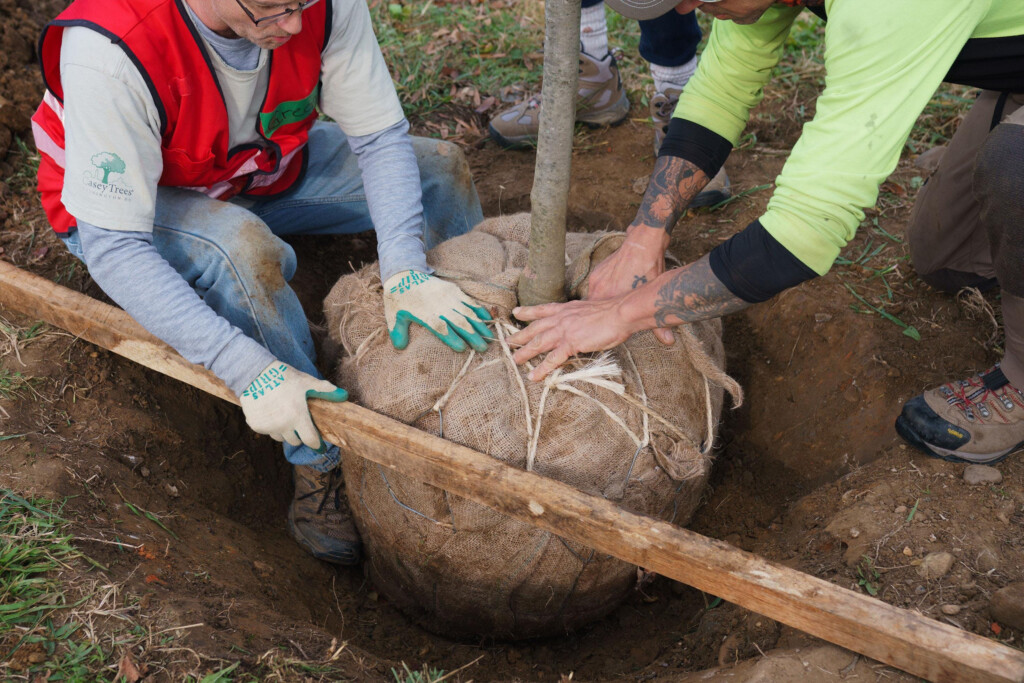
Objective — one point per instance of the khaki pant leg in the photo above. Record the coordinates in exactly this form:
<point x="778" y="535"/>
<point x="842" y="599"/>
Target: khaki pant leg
<point x="948" y="245"/>
<point x="999" y="191"/>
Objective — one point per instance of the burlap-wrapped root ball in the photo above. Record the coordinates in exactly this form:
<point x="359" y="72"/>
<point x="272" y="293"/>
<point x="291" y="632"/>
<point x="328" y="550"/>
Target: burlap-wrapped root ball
<point x="634" y="425"/>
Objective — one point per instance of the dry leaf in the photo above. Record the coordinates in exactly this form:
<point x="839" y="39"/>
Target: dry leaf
<point x="127" y="670"/>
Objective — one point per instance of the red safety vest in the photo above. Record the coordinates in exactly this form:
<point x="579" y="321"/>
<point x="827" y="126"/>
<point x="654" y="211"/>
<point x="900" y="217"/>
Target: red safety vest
<point x="162" y="42"/>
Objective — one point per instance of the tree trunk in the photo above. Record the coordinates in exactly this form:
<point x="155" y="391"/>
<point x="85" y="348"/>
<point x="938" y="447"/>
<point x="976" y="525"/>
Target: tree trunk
<point x="543" y="280"/>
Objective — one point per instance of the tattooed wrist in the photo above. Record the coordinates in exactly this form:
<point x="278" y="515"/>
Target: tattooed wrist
<point x="694" y="293"/>
<point x="673" y="185"/>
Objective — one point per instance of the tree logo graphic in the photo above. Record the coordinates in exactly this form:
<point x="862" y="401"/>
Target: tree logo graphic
<point x="108" y="162"/>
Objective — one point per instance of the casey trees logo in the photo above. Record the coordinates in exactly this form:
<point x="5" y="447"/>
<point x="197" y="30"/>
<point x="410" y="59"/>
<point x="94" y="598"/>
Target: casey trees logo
<point x="105" y="179"/>
<point x="108" y="162"/>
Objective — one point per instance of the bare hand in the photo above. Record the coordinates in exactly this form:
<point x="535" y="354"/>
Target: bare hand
<point x="639" y="260"/>
<point x="564" y="330"/>
<point x="632" y="266"/>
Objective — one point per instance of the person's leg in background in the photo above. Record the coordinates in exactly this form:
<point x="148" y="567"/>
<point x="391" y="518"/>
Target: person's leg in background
<point x="601" y="98"/>
<point x="669" y="43"/>
<point x="959" y="238"/>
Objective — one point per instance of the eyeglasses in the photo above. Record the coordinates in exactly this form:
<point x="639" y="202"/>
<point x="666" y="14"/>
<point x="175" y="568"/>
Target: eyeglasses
<point x="274" y="18"/>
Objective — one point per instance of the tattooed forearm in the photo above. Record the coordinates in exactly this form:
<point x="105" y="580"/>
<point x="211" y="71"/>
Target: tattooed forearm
<point x="694" y="293"/>
<point x="674" y="183"/>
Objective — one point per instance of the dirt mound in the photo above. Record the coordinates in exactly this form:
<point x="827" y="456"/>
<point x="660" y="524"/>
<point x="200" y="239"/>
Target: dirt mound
<point x="21" y="84"/>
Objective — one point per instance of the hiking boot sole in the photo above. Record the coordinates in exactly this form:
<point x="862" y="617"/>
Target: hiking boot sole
<point x="904" y="429"/>
<point x="613" y="116"/>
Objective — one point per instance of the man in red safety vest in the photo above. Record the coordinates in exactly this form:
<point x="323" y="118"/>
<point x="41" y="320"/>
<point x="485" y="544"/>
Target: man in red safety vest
<point x="180" y="142"/>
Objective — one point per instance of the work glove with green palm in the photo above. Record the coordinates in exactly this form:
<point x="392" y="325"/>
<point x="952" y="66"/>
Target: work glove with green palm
<point x="441" y="307"/>
<point x="275" y="404"/>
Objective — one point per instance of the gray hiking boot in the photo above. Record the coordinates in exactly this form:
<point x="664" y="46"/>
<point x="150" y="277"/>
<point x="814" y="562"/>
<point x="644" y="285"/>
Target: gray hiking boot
<point x="601" y="101"/>
<point x="663" y="104"/>
<point x="975" y="420"/>
<point x="319" y="517"/>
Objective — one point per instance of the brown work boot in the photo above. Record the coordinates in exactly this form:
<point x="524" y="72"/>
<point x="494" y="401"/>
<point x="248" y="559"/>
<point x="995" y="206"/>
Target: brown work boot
<point x="601" y="101"/>
<point x="663" y="105"/>
<point x="319" y="517"/>
<point x="976" y="420"/>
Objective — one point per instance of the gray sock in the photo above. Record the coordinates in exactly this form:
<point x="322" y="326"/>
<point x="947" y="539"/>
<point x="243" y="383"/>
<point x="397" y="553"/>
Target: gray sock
<point x="672" y="76"/>
<point x="594" y="31"/>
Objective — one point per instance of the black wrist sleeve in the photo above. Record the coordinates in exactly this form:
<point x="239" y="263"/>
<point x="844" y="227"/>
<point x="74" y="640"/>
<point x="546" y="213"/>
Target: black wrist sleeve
<point x="701" y="146"/>
<point x="755" y="267"/>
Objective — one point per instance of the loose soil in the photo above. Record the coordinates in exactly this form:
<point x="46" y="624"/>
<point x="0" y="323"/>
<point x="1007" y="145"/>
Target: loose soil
<point x="809" y="471"/>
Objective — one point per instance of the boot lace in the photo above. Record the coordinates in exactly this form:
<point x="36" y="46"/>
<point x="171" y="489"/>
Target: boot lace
<point x="972" y="397"/>
<point x="330" y="486"/>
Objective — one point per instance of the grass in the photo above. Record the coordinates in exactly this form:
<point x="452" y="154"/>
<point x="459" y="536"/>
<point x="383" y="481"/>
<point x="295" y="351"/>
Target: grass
<point x="13" y="384"/>
<point x="426" y="675"/>
<point x="26" y="165"/>
<point x="58" y="624"/>
<point x="453" y="56"/>
<point x="36" y="634"/>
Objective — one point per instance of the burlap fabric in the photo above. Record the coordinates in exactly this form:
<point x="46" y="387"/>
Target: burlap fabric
<point x="459" y="567"/>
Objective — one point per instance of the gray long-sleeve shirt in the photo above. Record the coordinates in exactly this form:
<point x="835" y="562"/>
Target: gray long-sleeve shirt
<point x="119" y="256"/>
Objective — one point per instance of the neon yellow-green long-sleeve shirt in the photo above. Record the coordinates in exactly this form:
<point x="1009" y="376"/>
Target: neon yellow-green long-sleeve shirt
<point x="884" y="60"/>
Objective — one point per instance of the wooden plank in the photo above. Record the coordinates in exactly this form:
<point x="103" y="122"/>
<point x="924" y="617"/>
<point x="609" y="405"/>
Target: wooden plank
<point x="903" y="639"/>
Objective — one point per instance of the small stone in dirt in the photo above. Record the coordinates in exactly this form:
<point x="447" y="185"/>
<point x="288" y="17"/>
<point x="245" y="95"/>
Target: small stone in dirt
<point x="951" y="610"/>
<point x="935" y="565"/>
<point x="987" y="561"/>
<point x="854" y="532"/>
<point x="907" y="551"/>
<point x="982" y="474"/>
<point x="1007" y="606"/>
<point x="144" y="471"/>
<point x="640" y="184"/>
<point x="172" y="490"/>
<point x="900" y="509"/>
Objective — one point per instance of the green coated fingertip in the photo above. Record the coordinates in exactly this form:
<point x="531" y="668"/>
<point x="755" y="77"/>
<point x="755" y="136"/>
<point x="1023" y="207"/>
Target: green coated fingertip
<point x="323" y="444"/>
<point x="469" y="336"/>
<point x="400" y="336"/>
<point x="337" y="396"/>
<point x="482" y="330"/>
<point x="453" y="339"/>
<point x="480" y="311"/>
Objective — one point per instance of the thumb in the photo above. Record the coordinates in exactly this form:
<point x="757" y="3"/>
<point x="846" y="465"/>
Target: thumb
<point x="399" y="334"/>
<point x="664" y="335"/>
<point x="325" y="390"/>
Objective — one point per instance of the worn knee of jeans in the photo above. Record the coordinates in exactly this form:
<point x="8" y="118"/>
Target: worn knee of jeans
<point x="999" y="188"/>
<point x="451" y="206"/>
<point x="263" y="258"/>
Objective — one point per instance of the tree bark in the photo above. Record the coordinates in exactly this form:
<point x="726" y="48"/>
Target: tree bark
<point x="543" y="280"/>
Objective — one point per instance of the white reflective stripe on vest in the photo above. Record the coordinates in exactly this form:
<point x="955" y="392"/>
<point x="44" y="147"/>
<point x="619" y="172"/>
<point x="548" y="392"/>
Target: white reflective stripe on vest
<point x="44" y="143"/>
<point x="264" y="180"/>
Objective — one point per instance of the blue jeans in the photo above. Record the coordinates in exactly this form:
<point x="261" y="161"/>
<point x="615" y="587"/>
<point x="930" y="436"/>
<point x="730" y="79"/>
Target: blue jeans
<point x="232" y="255"/>
<point x="668" y="40"/>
